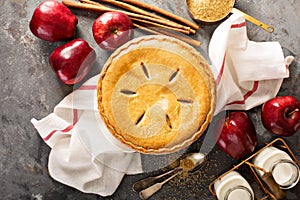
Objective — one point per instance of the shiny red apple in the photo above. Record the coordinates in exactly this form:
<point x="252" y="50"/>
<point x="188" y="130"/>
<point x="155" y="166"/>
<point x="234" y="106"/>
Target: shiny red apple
<point x="112" y="29"/>
<point x="72" y="61"/>
<point x="52" y="21"/>
<point x="281" y="115"/>
<point x="236" y="134"/>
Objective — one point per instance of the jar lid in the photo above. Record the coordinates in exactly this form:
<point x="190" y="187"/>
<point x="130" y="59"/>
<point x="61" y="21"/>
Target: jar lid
<point x="239" y="192"/>
<point x="286" y="173"/>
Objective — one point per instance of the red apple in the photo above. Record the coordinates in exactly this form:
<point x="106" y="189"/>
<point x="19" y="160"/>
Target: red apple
<point x="52" y="21"/>
<point x="112" y="29"/>
<point x="236" y="134"/>
<point x="72" y="61"/>
<point x="281" y="115"/>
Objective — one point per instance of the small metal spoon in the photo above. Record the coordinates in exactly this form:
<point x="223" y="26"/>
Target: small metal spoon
<point x="145" y="183"/>
<point x="187" y="163"/>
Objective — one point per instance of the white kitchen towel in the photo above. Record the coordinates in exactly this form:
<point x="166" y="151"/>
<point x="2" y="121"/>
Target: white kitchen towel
<point x="83" y="153"/>
<point x="85" y="156"/>
<point x="248" y="73"/>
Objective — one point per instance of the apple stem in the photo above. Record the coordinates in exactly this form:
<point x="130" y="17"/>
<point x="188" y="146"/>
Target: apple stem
<point x="291" y="113"/>
<point x="114" y="31"/>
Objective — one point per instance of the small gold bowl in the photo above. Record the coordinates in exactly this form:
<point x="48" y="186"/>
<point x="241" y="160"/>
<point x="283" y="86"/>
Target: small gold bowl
<point x="209" y="10"/>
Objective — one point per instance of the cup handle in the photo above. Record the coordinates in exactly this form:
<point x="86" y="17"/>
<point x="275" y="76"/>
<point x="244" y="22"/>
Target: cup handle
<point x="267" y="28"/>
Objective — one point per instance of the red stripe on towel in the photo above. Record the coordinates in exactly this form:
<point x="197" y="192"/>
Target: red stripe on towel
<point x="221" y="71"/>
<point x="247" y="95"/>
<point x="67" y="129"/>
<point x="75" y="116"/>
<point x="52" y="132"/>
<point x="243" y="24"/>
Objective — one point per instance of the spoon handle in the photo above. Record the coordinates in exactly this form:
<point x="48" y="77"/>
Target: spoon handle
<point x="148" y="192"/>
<point x="145" y="183"/>
<point x="266" y="27"/>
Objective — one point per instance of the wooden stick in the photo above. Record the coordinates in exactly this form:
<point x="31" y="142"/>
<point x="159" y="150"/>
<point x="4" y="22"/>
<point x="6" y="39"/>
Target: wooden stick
<point x="146" y="29"/>
<point x="132" y="8"/>
<point x="161" y="11"/>
<point x="91" y="2"/>
<point x="180" y="37"/>
<point x="83" y="6"/>
<point x="160" y="31"/>
<point x="159" y="25"/>
<point x="97" y="7"/>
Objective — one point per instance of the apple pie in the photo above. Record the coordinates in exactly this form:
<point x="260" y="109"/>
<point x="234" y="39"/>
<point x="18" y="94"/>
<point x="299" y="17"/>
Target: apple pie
<point x="156" y="94"/>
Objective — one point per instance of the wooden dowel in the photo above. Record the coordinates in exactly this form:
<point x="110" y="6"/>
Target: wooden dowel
<point x="91" y="2"/>
<point x="85" y="6"/>
<point x="132" y="8"/>
<point x="159" y="31"/>
<point x="180" y="37"/>
<point x="146" y="29"/>
<point x="159" y="25"/>
<point x="162" y="12"/>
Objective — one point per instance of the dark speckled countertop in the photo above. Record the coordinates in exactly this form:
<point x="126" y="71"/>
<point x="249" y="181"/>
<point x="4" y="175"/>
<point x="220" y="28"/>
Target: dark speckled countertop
<point x="29" y="89"/>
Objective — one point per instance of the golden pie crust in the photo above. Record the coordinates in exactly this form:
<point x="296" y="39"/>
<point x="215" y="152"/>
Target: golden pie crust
<point x="156" y="94"/>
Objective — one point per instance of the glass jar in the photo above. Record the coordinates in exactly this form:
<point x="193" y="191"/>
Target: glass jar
<point x="286" y="173"/>
<point x="284" y="170"/>
<point x="233" y="186"/>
